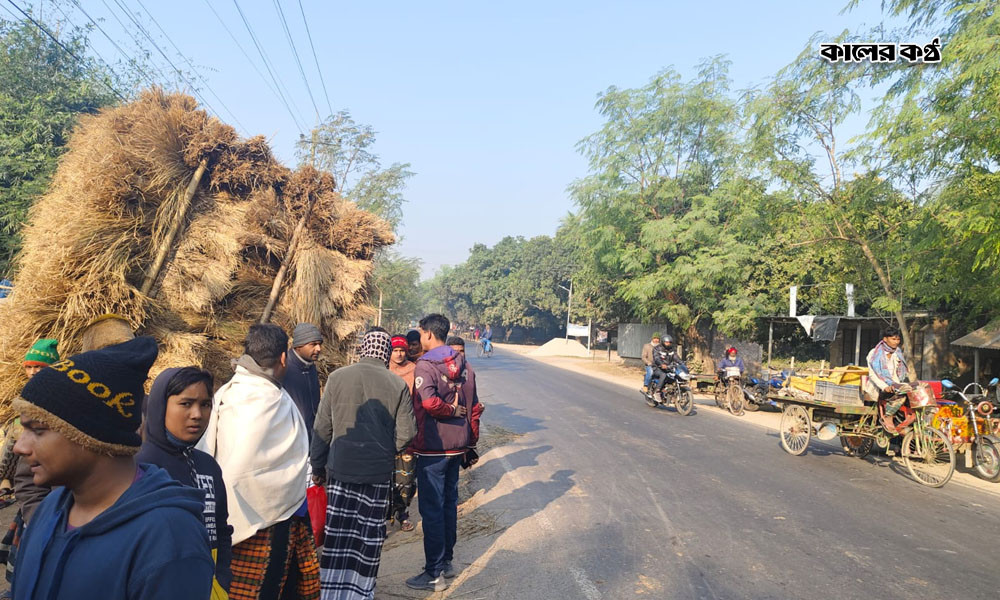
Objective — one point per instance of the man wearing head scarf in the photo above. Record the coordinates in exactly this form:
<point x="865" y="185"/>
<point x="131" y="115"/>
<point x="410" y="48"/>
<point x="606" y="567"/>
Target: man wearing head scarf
<point x="365" y="418"/>
<point x="302" y="379"/>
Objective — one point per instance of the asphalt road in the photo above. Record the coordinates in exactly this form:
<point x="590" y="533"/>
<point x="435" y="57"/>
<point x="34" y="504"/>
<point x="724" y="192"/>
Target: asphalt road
<point x="604" y="497"/>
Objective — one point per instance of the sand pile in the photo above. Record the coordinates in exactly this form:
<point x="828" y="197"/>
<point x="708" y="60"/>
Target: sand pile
<point x="561" y="347"/>
<point x="163" y="215"/>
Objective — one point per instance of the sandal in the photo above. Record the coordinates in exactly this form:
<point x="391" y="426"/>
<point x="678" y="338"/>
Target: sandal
<point x="406" y="525"/>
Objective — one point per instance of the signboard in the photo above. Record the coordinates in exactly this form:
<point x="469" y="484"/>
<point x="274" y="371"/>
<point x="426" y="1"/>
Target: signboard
<point x="578" y="330"/>
<point x="602" y="336"/>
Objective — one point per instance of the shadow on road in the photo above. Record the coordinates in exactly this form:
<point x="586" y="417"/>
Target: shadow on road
<point x="486" y="476"/>
<point x="511" y="418"/>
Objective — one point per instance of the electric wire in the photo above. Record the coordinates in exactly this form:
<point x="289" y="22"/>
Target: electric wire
<point x="315" y="58"/>
<point x="192" y="67"/>
<point x="129" y="58"/>
<point x="107" y="64"/>
<point x="253" y="64"/>
<point x="180" y="74"/>
<point x="295" y="54"/>
<point x="135" y="39"/>
<point x="61" y="45"/>
<point x="270" y="70"/>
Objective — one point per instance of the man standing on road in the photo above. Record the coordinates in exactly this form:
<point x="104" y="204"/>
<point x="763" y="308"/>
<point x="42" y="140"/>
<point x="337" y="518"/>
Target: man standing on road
<point x="302" y="380"/>
<point x="447" y="426"/>
<point x="887" y="375"/>
<point x="259" y="440"/>
<point x="404" y="485"/>
<point x="365" y="418"/>
<point x="647" y="359"/>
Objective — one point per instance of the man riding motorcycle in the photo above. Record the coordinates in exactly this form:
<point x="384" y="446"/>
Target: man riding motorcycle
<point x="664" y="359"/>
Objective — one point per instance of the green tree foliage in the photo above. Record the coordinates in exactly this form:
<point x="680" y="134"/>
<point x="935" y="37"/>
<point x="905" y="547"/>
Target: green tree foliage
<point x="43" y="90"/>
<point x="397" y="278"/>
<point x="514" y="284"/>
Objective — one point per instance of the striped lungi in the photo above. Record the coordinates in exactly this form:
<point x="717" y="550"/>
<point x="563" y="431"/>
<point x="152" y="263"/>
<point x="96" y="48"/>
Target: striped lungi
<point x="355" y="531"/>
<point x="262" y="563"/>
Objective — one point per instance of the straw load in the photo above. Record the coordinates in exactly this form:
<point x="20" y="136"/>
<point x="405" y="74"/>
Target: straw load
<point x="163" y="215"/>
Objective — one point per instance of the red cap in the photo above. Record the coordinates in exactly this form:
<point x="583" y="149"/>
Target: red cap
<point x="399" y="342"/>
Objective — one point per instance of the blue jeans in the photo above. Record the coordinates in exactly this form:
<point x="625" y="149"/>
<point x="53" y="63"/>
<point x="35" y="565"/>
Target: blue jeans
<point x="437" y="499"/>
<point x="649" y="375"/>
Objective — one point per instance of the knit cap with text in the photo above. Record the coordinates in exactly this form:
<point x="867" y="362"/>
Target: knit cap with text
<point x="94" y="398"/>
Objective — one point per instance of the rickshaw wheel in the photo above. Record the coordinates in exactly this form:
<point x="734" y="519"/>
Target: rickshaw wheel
<point x="796" y="429"/>
<point x="933" y="463"/>
<point x="856" y="445"/>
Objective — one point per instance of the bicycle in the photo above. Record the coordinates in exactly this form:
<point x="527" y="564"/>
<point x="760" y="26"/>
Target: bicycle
<point x="485" y="349"/>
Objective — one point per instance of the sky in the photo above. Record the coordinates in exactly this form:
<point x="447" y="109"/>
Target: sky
<point x="485" y="100"/>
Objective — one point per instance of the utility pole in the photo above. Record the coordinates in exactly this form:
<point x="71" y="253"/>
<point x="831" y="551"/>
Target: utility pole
<point x="378" y="322"/>
<point x="569" y="307"/>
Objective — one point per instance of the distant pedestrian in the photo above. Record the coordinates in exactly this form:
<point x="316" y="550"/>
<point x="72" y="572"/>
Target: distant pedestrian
<point x="475" y="335"/>
<point x="16" y="471"/>
<point x="365" y="418"/>
<point x="647" y="359"/>
<point x="178" y="409"/>
<point x="259" y="439"/>
<point x="447" y="413"/>
<point x="115" y="530"/>
<point x="415" y="349"/>
<point x="302" y="378"/>
<point x="405" y="476"/>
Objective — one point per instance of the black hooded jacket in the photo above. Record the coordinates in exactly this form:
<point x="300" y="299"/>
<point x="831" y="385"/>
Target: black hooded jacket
<point x="192" y="468"/>
<point x="302" y="384"/>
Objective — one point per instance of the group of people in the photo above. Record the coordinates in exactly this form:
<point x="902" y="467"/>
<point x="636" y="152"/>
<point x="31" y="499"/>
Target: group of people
<point x="184" y="494"/>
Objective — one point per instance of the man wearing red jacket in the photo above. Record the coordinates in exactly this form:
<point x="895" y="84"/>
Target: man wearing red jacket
<point x="447" y="410"/>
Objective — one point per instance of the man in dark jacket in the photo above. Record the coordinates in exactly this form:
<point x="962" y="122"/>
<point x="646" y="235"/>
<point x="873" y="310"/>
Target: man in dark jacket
<point x="110" y="528"/>
<point x="664" y="358"/>
<point x="447" y="412"/>
<point x="365" y="418"/>
<point x="301" y="381"/>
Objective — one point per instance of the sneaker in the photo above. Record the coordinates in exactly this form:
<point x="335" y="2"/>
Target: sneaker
<point x="425" y="582"/>
<point x="448" y="571"/>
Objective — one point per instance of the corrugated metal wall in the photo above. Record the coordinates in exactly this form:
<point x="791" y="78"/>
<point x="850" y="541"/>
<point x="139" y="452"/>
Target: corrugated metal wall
<point x="633" y="336"/>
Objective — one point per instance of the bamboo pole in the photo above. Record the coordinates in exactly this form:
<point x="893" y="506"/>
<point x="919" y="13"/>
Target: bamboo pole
<point x="279" y="278"/>
<point x="175" y="227"/>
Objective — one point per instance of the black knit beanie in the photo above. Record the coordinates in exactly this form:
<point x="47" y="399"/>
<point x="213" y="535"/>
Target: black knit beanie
<point x="94" y="398"/>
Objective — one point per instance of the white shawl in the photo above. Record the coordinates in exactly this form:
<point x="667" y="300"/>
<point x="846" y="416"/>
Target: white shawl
<point x="259" y="440"/>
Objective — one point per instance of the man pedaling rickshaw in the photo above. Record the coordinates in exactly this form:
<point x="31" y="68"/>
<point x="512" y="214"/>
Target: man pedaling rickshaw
<point x="887" y="377"/>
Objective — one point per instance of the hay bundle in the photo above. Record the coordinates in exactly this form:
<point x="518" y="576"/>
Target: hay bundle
<point x="93" y="237"/>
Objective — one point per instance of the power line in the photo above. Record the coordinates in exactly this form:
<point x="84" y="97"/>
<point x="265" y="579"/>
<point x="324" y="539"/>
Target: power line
<point x="295" y="54"/>
<point x="110" y="39"/>
<point x="61" y="45"/>
<point x="193" y="70"/>
<point x="107" y="64"/>
<point x="135" y="39"/>
<point x="180" y="73"/>
<point x="263" y="57"/>
<point x="315" y="58"/>
<point x="240" y="46"/>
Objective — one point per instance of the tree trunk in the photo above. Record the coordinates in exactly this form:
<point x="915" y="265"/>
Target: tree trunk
<point x="904" y="331"/>
<point x="697" y="345"/>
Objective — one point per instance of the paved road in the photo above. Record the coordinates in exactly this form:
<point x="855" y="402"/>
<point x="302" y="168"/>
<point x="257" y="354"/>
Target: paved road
<point x="604" y="497"/>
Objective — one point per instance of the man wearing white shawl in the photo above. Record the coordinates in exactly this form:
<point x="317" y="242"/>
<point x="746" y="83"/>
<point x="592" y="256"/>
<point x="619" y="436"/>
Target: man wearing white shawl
<point x="260" y="441"/>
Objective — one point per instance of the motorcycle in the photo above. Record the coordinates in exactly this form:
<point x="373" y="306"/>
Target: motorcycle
<point x="972" y="430"/>
<point x="757" y="389"/>
<point x="676" y="390"/>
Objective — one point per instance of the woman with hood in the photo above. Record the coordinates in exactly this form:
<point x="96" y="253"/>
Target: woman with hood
<point x="177" y="412"/>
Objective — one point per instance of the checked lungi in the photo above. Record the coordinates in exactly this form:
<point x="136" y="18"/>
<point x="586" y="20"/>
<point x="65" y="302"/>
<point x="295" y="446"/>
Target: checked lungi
<point x="261" y="564"/>
<point x="355" y="532"/>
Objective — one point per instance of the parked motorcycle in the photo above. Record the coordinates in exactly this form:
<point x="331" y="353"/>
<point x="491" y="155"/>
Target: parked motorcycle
<point x="757" y="389"/>
<point x="676" y="390"/>
<point x="967" y="431"/>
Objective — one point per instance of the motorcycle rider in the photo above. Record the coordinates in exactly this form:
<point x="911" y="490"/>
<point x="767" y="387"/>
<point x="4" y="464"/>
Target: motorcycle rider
<point x="664" y="359"/>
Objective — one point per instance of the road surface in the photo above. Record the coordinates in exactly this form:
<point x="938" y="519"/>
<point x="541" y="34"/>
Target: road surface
<point x="604" y="497"/>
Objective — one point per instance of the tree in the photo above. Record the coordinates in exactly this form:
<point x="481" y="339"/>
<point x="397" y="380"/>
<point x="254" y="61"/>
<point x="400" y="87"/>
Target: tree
<point x="397" y="282"/>
<point x="43" y="90"/>
<point x="802" y="110"/>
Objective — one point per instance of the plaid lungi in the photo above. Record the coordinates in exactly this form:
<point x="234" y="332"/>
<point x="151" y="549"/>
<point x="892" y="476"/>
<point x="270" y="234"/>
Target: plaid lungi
<point x="9" y="545"/>
<point x="355" y="531"/>
<point x="261" y="564"/>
